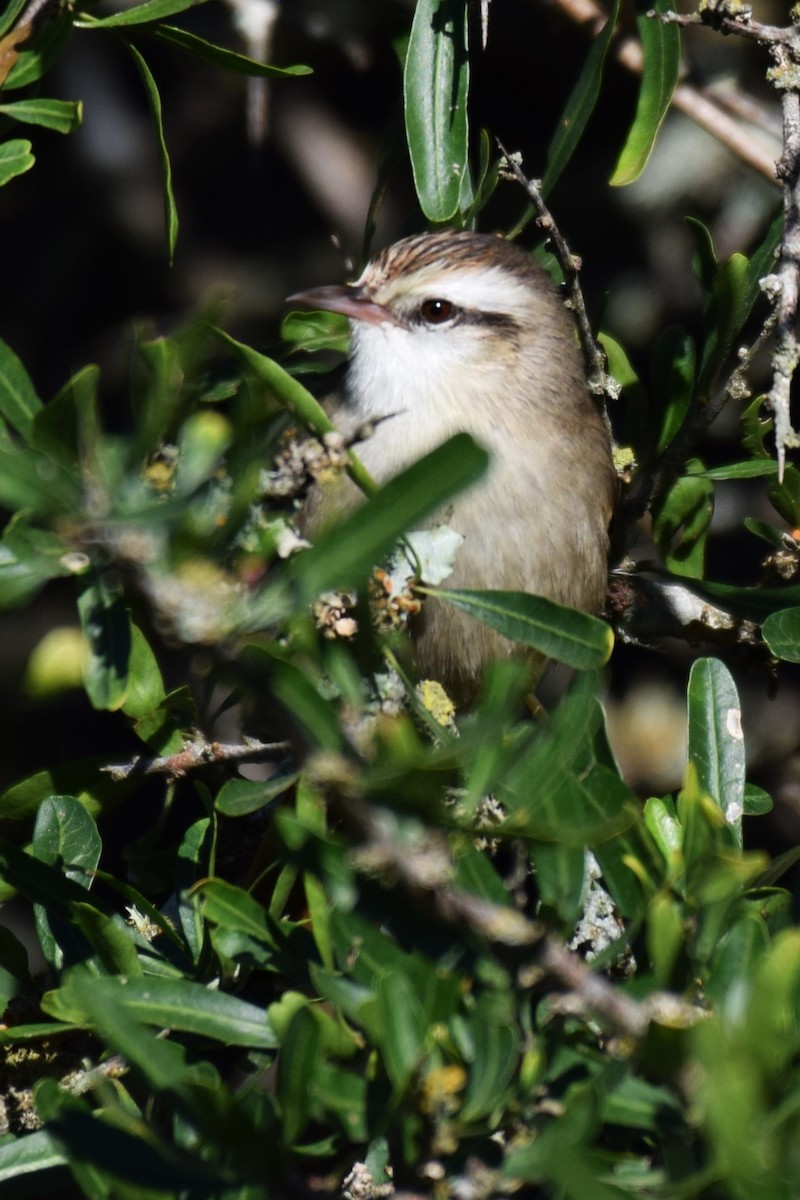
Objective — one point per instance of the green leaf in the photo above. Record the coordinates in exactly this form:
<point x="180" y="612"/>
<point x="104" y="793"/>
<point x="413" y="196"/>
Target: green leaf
<point x="346" y="554"/>
<point x="781" y="632"/>
<point x="314" y="331"/>
<point x="138" y="14"/>
<point x="435" y="88"/>
<point x="64" y="116"/>
<point x="299" y="1058"/>
<point x="145" y="686"/>
<point x="169" y="1004"/>
<point x="716" y="742"/>
<point x="106" y="625"/>
<point x="66" y="836"/>
<point x="495" y="1057"/>
<point x="41" y="52"/>
<point x="29" y="1154"/>
<point x="672" y="373"/>
<point x="752" y="469"/>
<point x="218" y="56"/>
<point x="661" y="44"/>
<point x="67" y="428"/>
<point x="580" y="105"/>
<point x="296" y="399"/>
<point x="238" y="797"/>
<point x="232" y="908"/>
<point x="15" y="158"/>
<point x="154" y="100"/>
<point x="681" y="519"/>
<point x="402" y="1021"/>
<point x="562" y="633"/>
<point x="560" y="874"/>
<point x="19" y="403"/>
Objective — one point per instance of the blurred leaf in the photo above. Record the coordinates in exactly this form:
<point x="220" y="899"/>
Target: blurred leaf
<point x="560" y="873"/>
<point x="167" y="1004"/>
<point x="137" y="14"/>
<point x="106" y="625"/>
<point x="64" y="116"/>
<point x="19" y="403"/>
<point x="238" y="797"/>
<point x="218" y="56"/>
<point x="67" y="429"/>
<point x="681" y="519"/>
<point x="672" y="374"/>
<point x="154" y="100"/>
<point x="495" y="1057"/>
<point x="314" y="331"/>
<point x="145" y="687"/>
<point x="436" y="87"/>
<point x="32" y="1153"/>
<point x="296" y="399"/>
<point x="297" y="1065"/>
<point x="204" y="437"/>
<point x="757" y="802"/>
<point x="580" y="105"/>
<point x="716" y="741"/>
<point x="402" y="1021"/>
<point x="661" y="45"/>
<point x="347" y="553"/>
<point x="15" y="159"/>
<point x="562" y="633"/>
<point x="40" y="53"/>
<point x="752" y="469"/>
<point x="781" y="632"/>
<point x="108" y="1161"/>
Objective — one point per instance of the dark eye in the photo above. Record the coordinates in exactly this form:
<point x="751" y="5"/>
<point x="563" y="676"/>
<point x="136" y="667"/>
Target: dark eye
<point x="436" y="312"/>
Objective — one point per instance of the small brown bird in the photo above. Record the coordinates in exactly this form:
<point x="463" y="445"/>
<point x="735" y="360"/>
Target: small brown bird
<point x="457" y="331"/>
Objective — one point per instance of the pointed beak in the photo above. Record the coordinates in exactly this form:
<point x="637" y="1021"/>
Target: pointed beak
<point x="349" y="300"/>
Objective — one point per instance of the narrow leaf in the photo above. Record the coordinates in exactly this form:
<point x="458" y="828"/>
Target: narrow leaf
<point x="64" y="116"/>
<point x="219" y="56"/>
<point x="562" y="633"/>
<point x="137" y="14"/>
<point x="347" y="553"/>
<point x="662" y="54"/>
<point x="580" y="105"/>
<point x="154" y="100"/>
<point x="19" y="403"/>
<point x="716" y="742"/>
<point x="435" y="86"/>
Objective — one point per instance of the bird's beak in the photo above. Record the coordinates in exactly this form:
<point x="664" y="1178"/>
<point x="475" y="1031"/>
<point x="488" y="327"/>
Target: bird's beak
<point x="348" y="299"/>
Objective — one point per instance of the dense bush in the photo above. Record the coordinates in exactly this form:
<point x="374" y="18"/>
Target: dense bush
<point x="402" y="948"/>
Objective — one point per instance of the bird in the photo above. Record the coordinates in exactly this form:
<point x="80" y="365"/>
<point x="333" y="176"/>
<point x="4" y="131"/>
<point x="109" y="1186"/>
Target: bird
<point x="457" y="331"/>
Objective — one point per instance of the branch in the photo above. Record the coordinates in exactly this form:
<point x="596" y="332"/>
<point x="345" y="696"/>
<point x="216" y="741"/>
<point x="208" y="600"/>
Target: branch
<point x="782" y="288"/>
<point x="197" y="753"/>
<point x="600" y="382"/>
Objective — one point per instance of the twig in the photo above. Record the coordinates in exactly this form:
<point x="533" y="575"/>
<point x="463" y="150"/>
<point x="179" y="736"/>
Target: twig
<point x="197" y="753"/>
<point x="600" y="382"/>
<point x="782" y="288"/>
<point x="426" y="870"/>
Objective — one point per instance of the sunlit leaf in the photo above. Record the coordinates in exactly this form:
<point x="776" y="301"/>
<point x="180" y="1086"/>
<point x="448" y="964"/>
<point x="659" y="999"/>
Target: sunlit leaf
<point x="436" y="87"/>
<point x="661" y="45"/>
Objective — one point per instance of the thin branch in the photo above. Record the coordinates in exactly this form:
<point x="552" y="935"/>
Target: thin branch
<point x="600" y="382"/>
<point x="197" y="753"/>
<point x="425" y="870"/>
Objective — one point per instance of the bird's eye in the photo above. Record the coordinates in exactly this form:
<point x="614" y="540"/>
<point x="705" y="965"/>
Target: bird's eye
<point x="436" y="312"/>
